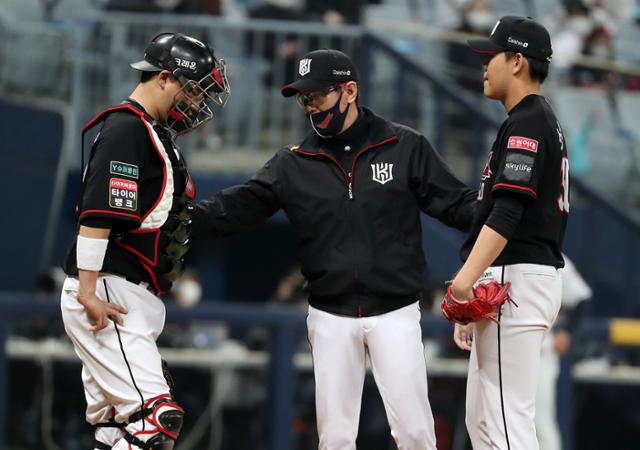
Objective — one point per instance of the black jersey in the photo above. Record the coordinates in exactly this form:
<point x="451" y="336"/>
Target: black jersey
<point x="528" y="159"/>
<point x="137" y="184"/>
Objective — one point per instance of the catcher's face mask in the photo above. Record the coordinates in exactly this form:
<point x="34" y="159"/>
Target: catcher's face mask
<point x="193" y="103"/>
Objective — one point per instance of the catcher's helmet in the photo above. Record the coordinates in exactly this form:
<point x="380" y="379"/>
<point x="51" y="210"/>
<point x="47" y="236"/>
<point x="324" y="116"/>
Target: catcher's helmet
<point x="202" y="76"/>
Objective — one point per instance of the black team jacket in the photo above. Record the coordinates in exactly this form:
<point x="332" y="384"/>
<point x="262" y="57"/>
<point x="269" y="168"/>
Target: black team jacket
<point x="357" y="220"/>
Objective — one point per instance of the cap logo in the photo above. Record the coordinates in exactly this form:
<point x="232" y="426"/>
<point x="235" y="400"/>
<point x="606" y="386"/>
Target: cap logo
<point x="304" y="67"/>
<point x="517" y="42"/>
<point x="341" y="72"/>
<point x="495" y="27"/>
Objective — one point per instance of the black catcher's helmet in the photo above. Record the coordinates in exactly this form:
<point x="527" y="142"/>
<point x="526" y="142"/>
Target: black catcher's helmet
<point x="202" y="76"/>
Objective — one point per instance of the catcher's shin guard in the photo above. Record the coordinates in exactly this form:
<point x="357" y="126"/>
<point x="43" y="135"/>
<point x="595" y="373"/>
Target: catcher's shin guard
<point x="165" y="418"/>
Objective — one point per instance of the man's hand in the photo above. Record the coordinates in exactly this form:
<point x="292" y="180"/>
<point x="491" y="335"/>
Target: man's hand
<point x="462" y="293"/>
<point x="561" y="342"/>
<point x="100" y="311"/>
<point x="463" y="336"/>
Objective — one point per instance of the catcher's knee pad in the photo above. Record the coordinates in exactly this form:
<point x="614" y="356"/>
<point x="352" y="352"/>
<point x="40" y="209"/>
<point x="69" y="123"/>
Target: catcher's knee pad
<point x="165" y="419"/>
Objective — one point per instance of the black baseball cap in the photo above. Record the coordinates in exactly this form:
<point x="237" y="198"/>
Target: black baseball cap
<point x="320" y="69"/>
<point x="517" y="34"/>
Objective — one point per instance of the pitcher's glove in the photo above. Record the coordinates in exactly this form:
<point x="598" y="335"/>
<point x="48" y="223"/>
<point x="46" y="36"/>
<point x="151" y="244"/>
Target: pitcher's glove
<point x="487" y="299"/>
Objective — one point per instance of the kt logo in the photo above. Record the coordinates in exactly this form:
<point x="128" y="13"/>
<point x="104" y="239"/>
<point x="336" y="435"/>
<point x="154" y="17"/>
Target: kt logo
<point x="382" y="172"/>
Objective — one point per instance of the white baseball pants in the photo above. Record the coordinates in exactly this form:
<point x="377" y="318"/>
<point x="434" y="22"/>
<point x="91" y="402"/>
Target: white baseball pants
<point x="505" y="359"/>
<point x="122" y="367"/>
<point x="339" y="345"/>
<point x="546" y="421"/>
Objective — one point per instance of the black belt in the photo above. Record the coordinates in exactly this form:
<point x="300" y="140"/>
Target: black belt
<point x="145" y="284"/>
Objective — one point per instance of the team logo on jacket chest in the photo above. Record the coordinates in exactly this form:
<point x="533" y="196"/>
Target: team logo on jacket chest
<point x="382" y="172"/>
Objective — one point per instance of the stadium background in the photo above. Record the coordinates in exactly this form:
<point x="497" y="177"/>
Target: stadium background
<point x="239" y="354"/>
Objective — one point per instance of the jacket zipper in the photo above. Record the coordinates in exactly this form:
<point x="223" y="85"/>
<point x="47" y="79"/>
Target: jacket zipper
<point x="349" y="175"/>
<point x="355" y="158"/>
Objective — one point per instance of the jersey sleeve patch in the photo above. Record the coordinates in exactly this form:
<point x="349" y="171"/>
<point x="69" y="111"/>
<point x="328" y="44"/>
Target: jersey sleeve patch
<point x="518" y="168"/>
<point x="123" y="169"/>
<point x="123" y="194"/>
<point x="522" y="143"/>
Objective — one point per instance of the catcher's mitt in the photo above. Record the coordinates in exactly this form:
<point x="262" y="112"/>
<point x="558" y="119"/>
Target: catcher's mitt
<point x="487" y="299"/>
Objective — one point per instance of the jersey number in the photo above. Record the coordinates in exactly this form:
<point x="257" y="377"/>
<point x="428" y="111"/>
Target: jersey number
<point x="563" y="200"/>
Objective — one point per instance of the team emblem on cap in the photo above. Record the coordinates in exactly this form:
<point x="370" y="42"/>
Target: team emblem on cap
<point x="305" y="66"/>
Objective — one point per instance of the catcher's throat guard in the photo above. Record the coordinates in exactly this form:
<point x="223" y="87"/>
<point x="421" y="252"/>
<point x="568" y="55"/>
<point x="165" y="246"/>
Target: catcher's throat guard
<point x="487" y="299"/>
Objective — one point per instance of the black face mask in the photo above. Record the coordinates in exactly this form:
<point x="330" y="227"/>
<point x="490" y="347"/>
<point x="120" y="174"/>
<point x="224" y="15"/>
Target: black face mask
<point x="328" y="124"/>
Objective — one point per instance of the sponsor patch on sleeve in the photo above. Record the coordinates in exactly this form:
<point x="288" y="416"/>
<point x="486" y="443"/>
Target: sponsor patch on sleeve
<point x="124" y="169"/>
<point x="522" y="143"/>
<point x="123" y="194"/>
<point x="518" y="168"/>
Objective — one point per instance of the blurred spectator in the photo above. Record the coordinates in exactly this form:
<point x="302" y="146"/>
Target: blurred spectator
<point x="335" y="12"/>
<point x="212" y="7"/>
<point x="135" y="5"/>
<point x="476" y="17"/>
<point x="281" y="56"/>
<point x="290" y="292"/>
<point x="276" y="10"/>
<point x="568" y="41"/>
<point x="575" y="291"/>
<point x="187" y="291"/>
<point x="281" y="50"/>
<point x="598" y="44"/>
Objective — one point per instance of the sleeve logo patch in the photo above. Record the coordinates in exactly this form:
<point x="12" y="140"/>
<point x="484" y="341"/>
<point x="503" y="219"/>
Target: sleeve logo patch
<point x="124" y="169"/>
<point x="522" y="143"/>
<point x="123" y="194"/>
<point x="518" y="168"/>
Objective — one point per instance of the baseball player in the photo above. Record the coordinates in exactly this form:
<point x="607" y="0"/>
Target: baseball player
<point x="353" y="189"/>
<point x="134" y="226"/>
<point x="516" y="237"/>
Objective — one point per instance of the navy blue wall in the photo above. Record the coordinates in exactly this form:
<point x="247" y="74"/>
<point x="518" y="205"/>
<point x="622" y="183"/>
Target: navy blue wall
<point x="30" y="147"/>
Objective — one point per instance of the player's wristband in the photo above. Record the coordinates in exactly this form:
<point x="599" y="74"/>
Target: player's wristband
<point x="90" y="253"/>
